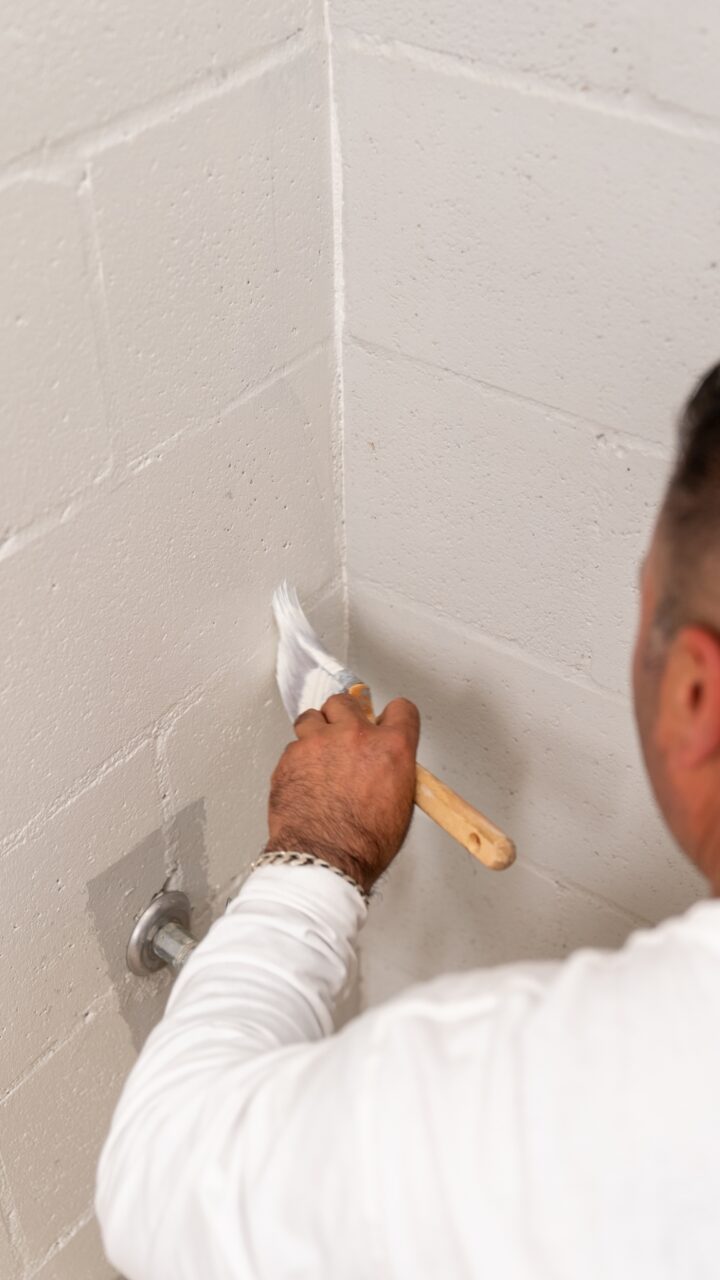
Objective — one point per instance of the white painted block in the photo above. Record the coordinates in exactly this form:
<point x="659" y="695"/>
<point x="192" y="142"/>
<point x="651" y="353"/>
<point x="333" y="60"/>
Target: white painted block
<point x="52" y="417"/>
<point x="231" y="275"/>
<point x="554" y="762"/>
<point x="571" y="41"/>
<point x="664" y="54"/>
<point x="73" y="66"/>
<point x="81" y="1257"/>
<point x="121" y="611"/>
<point x="53" y="1127"/>
<point x="496" y="512"/>
<point x="678" y="59"/>
<point x="221" y="752"/>
<point x="556" y="252"/>
<point x="474" y="504"/>
<point x="52" y="957"/>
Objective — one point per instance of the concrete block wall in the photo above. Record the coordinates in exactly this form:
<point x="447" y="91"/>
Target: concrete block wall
<point x="168" y="399"/>
<point x="530" y="248"/>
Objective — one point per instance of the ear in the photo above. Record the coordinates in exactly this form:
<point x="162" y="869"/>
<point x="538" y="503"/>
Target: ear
<point x="689" y="713"/>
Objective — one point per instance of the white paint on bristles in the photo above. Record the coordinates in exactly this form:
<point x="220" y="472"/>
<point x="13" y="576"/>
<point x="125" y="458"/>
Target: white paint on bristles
<point x="307" y="674"/>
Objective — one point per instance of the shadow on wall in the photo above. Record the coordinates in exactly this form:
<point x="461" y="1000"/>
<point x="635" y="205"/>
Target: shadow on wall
<point x="117" y="897"/>
<point x="554" y="763"/>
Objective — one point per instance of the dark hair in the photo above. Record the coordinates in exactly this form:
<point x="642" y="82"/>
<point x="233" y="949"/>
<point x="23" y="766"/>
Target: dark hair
<point x="690" y="520"/>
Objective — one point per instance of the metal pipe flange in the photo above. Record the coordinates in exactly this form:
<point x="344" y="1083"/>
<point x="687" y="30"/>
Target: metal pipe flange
<point x="161" y="936"/>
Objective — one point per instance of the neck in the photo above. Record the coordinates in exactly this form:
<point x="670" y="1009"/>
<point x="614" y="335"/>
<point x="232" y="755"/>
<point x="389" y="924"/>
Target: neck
<point x="704" y="848"/>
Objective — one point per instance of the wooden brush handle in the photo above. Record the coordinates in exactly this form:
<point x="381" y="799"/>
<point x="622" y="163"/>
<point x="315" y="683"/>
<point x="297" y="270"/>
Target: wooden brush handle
<point x="467" y="825"/>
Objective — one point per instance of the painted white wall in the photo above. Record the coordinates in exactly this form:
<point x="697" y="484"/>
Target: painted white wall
<point x="531" y="249"/>
<point x="167" y="409"/>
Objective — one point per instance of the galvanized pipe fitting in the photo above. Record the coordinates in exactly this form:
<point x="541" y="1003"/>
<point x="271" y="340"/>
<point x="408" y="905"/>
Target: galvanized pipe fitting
<point x="161" y="936"/>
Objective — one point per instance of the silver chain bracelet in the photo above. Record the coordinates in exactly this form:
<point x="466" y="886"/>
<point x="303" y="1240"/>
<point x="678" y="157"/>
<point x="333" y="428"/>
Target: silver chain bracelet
<point x="287" y="859"/>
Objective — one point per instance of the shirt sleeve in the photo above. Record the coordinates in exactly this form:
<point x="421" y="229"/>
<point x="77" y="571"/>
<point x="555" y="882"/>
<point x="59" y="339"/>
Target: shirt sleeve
<point x="251" y="1142"/>
<point x="231" y="1134"/>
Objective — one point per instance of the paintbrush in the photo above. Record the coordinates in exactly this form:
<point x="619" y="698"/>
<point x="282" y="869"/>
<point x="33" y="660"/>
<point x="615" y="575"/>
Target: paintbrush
<point x="307" y="675"/>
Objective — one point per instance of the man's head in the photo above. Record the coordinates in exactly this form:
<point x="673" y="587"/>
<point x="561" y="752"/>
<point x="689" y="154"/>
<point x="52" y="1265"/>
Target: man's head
<point x="676" y="669"/>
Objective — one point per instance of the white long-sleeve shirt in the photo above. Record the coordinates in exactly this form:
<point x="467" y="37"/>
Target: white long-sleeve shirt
<point x="553" y="1122"/>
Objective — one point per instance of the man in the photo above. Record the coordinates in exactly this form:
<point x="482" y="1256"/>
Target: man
<point x="550" y="1121"/>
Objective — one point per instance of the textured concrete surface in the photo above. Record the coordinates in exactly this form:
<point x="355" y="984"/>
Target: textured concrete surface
<point x="9" y="1261"/>
<point x="513" y="519"/>
<point x="53" y="1125"/>
<point x="214" y="321"/>
<point x="51" y="403"/>
<point x="168" y="408"/>
<point x="53" y="957"/>
<point x="167" y="577"/>
<point x="520" y="239"/>
<point x="82" y="1257"/>
<point x="90" y="64"/>
<point x="662" y="57"/>
<point x="530" y="212"/>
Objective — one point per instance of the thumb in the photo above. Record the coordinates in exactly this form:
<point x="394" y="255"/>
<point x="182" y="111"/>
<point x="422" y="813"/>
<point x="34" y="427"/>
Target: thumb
<point x="403" y="715"/>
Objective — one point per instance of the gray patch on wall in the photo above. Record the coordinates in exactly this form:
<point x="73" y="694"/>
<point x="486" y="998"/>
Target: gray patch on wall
<point x="118" y="896"/>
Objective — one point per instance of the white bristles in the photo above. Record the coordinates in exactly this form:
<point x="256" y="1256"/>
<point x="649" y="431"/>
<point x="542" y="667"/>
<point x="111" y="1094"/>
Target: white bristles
<point x="306" y="673"/>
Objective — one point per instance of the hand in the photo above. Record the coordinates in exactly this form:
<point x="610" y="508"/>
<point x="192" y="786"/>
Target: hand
<point x="344" y="791"/>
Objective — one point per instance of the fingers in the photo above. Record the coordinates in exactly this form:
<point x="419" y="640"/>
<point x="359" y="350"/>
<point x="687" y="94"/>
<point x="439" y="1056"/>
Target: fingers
<point x="309" y="723"/>
<point x="343" y="709"/>
<point x="340" y="709"/>
<point x="404" y="716"/>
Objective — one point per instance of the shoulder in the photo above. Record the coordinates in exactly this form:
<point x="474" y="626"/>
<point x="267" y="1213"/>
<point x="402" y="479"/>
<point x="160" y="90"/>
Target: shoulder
<point x="595" y="993"/>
